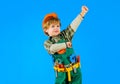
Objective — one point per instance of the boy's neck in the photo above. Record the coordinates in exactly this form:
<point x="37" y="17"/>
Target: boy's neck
<point x="54" y="36"/>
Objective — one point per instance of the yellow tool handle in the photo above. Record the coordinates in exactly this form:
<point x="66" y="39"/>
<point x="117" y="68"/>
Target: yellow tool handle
<point x="69" y="76"/>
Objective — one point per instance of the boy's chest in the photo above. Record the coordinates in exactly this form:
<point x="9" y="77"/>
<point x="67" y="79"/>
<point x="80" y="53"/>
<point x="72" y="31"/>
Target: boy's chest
<point x="58" y="39"/>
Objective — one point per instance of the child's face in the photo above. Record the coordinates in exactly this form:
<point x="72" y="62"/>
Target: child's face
<point x="54" y="29"/>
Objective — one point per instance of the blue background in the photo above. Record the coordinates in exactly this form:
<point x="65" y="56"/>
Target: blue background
<point x="23" y="59"/>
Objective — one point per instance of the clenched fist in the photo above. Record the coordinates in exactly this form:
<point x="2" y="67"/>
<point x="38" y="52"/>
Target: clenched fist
<point x="69" y="44"/>
<point x="84" y="10"/>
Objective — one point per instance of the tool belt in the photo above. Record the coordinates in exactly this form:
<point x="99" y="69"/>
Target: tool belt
<point x="67" y="68"/>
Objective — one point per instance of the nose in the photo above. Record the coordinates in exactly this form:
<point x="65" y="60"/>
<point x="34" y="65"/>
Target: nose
<point x="56" y="28"/>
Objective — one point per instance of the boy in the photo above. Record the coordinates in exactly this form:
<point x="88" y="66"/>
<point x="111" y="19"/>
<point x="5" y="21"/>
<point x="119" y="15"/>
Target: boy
<point x="66" y="63"/>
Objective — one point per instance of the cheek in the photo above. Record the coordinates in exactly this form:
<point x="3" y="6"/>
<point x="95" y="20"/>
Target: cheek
<point x="59" y="29"/>
<point x="50" y="31"/>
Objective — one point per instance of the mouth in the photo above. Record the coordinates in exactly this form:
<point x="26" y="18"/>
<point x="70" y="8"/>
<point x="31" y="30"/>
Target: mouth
<point x="56" y="31"/>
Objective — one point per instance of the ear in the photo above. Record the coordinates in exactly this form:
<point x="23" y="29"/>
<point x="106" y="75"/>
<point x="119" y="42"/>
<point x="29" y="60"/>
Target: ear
<point x="46" y="30"/>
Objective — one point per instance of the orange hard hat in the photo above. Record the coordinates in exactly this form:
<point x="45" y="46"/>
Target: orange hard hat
<point x="49" y="17"/>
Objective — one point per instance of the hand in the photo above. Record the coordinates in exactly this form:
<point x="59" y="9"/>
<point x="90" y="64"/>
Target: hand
<point x="84" y="10"/>
<point x="69" y="44"/>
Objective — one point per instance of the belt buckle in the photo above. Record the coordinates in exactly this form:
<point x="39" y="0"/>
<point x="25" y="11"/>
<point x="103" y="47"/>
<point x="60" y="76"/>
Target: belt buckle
<point x="68" y="65"/>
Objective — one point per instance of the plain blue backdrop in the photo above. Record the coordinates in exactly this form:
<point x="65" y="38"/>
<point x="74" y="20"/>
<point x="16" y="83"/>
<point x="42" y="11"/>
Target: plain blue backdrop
<point x="23" y="59"/>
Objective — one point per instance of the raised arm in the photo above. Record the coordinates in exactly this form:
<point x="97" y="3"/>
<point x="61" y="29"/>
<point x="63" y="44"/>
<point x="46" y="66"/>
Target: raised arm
<point x="76" y="22"/>
<point x="69" y="32"/>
